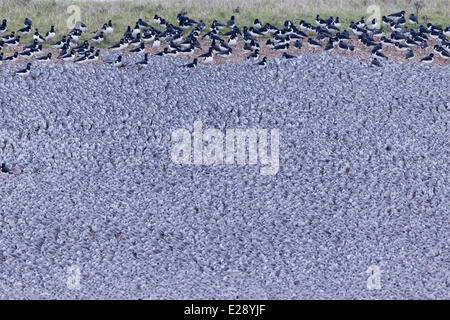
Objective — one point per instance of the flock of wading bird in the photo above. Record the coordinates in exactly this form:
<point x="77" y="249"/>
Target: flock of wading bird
<point x="188" y="37"/>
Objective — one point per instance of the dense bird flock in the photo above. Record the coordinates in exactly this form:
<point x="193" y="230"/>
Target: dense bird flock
<point x="223" y="40"/>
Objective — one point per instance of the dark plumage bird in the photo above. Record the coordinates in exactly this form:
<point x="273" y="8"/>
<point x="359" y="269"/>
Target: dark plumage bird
<point x="119" y="46"/>
<point x="25" y="30"/>
<point x="447" y="32"/>
<point x="387" y="42"/>
<point x="5" y="169"/>
<point x="375" y="63"/>
<point x="314" y="44"/>
<point x="401" y="47"/>
<point x="410" y="42"/>
<point x="7" y="37"/>
<point x="248" y="47"/>
<point x="288" y="56"/>
<point x="156" y="42"/>
<point x="401" y="22"/>
<point x="379" y="54"/>
<point x="50" y="34"/>
<point x="109" y="27"/>
<point x="162" y="53"/>
<point x="127" y="33"/>
<point x="282" y="47"/>
<point x="142" y="23"/>
<point x="37" y="36"/>
<point x="69" y="56"/>
<point x="378" y="47"/>
<point x="157" y="19"/>
<point x="444" y="54"/>
<point x="136" y="30"/>
<point x="139" y="49"/>
<point x="193" y="64"/>
<point x="343" y="45"/>
<point x="3" y="26"/>
<point x="172" y="53"/>
<point x="409" y="54"/>
<point x="329" y="47"/>
<point x="428" y="59"/>
<point x="59" y="44"/>
<point x="386" y="21"/>
<point x="24" y="72"/>
<point x="27" y="22"/>
<point x="413" y="19"/>
<point x="254" y="55"/>
<point x="94" y="57"/>
<point x="188" y="51"/>
<point x="26" y="54"/>
<point x="397" y="15"/>
<point x="231" y="23"/>
<point x="81" y="26"/>
<point x="82" y="46"/>
<point x="13" y="42"/>
<point x="225" y="53"/>
<point x="12" y="58"/>
<point x="263" y="62"/>
<point x="232" y="40"/>
<point x="99" y="38"/>
<point x="32" y="45"/>
<point x="143" y="62"/>
<point x="48" y="57"/>
<point x="118" y="62"/>
<point x="83" y="59"/>
<point x="208" y="56"/>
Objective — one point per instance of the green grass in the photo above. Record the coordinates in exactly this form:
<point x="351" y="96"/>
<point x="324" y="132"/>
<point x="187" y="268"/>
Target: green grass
<point x="44" y="13"/>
